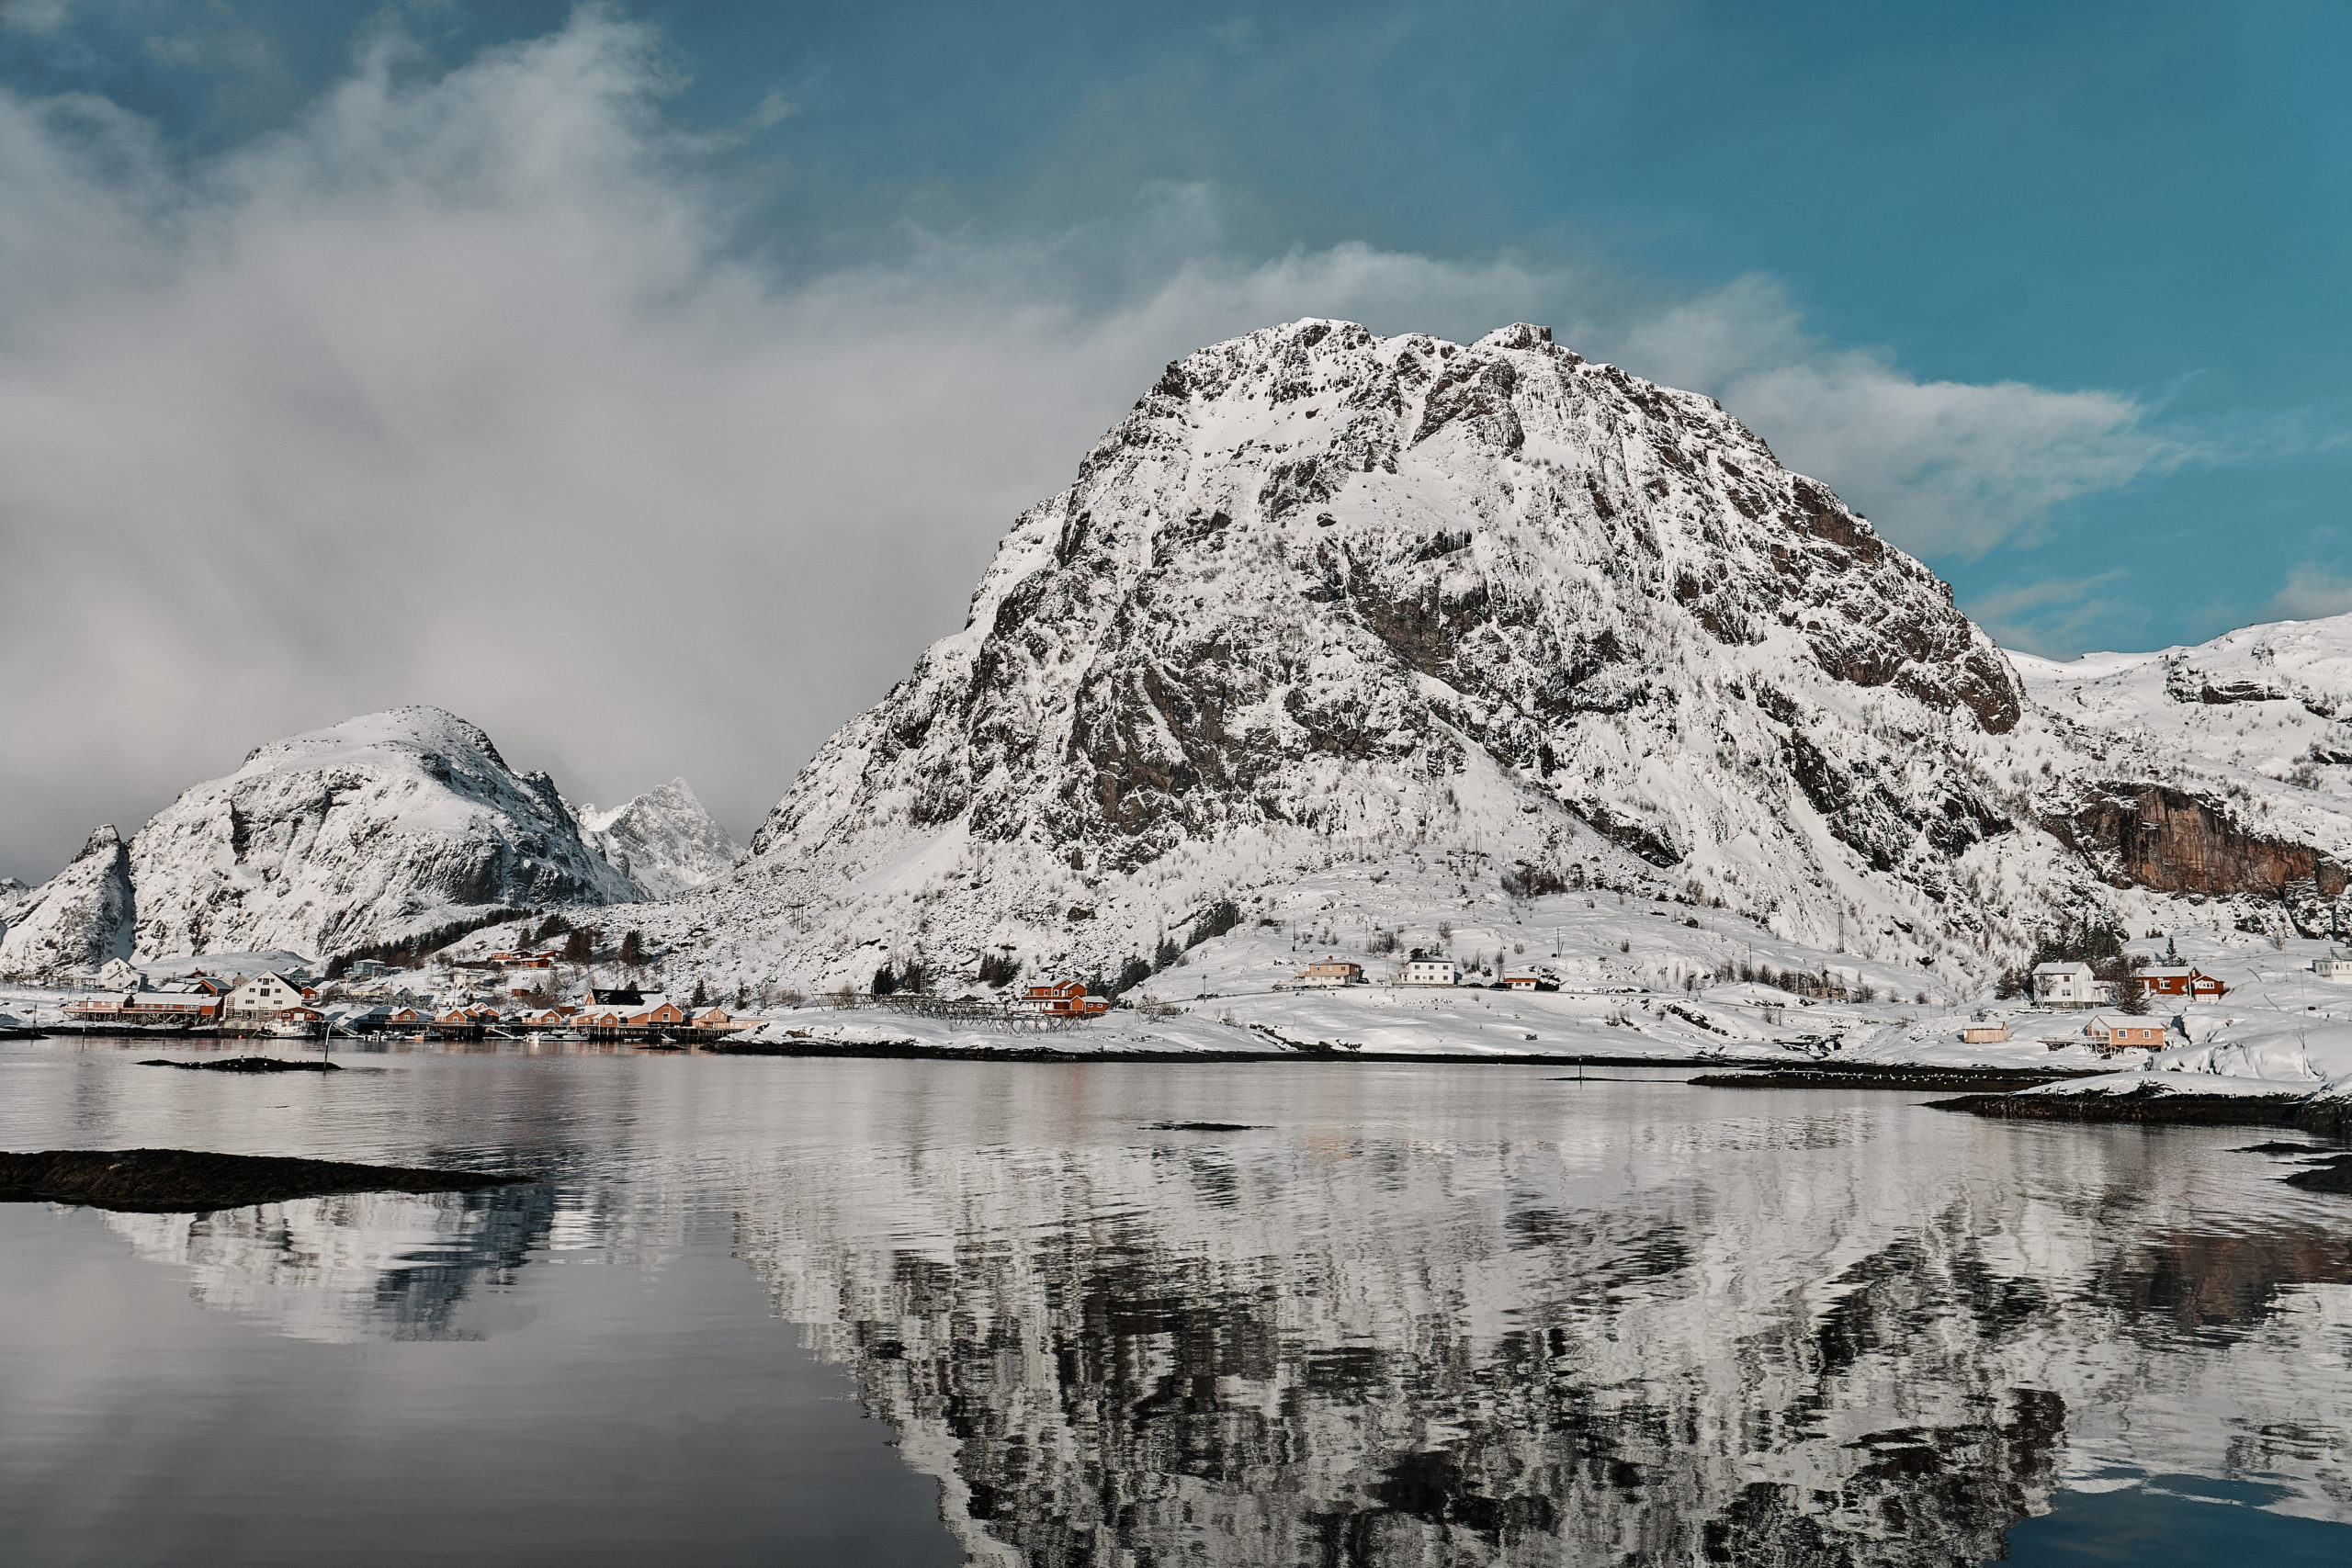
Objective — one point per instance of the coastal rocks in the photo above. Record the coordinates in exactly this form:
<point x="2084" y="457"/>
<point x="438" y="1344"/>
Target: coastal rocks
<point x="387" y="827"/>
<point x="663" y="840"/>
<point x="2153" y="1102"/>
<point x="247" y="1064"/>
<point x="189" y="1181"/>
<point x="77" y="919"/>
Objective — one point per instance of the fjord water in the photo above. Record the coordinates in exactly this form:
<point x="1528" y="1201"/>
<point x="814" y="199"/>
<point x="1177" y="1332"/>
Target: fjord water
<point x="844" y="1312"/>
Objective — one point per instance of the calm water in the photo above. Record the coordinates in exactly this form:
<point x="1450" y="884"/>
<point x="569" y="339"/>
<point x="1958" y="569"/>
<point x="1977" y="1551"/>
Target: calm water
<point x="816" y="1312"/>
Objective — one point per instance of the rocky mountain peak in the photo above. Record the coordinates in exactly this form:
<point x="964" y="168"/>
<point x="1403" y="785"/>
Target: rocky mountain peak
<point x="663" y="840"/>
<point x="78" y="918"/>
<point x="1320" y="585"/>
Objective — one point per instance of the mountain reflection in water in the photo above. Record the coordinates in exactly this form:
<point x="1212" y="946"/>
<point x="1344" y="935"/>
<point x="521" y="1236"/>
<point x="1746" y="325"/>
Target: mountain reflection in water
<point x="357" y="1266"/>
<point x="1424" y="1316"/>
<point x="1847" y="1338"/>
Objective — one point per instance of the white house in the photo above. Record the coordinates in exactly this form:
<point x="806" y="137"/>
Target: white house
<point x="2334" y="966"/>
<point x="1431" y="972"/>
<point x="116" y="975"/>
<point x="2070" y="986"/>
<point x="263" y="995"/>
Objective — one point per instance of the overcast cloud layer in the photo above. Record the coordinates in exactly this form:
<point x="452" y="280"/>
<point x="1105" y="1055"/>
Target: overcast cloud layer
<point x="454" y="392"/>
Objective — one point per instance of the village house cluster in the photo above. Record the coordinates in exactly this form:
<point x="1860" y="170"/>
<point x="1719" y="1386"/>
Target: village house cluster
<point x="289" y="1002"/>
<point x="2075" y="985"/>
<point x="1334" y="972"/>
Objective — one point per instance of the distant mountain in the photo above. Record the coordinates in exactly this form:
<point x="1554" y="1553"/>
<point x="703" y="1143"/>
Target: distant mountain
<point x="78" y="918"/>
<point x="381" y="827"/>
<point x="663" y="840"/>
<point x="385" y="828"/>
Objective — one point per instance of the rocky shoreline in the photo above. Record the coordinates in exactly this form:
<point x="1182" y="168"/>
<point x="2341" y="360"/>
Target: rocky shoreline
<point x="912" y="1050"/>
<point x="1917" y="1080"/>
<point x="246" y="1065"/>
<point x="2156" y="1107"/>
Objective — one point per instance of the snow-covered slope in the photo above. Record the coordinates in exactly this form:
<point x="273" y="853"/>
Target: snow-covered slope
<point x="663" y="840"/>
<point x="380" y="828"/>
<point x="2221" y="770"/>
<point x="1323" y="593"/>
<point x="77" y="919"/>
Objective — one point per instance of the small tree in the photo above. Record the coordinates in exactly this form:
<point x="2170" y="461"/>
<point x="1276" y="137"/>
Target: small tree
<point x="578" y="949"/>
<point x="701" y="998"/>
<point x="884" y="982"/>
<point x="633" y="949"/>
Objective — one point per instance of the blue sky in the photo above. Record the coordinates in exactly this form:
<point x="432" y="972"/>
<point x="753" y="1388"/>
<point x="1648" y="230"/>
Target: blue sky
<point x="2055" y="294"/>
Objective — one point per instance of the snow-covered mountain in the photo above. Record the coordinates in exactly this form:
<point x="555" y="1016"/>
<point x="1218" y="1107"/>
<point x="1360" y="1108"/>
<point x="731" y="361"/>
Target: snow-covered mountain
<point x="663" y="840"/>
<point x="1325" y="592"/>
<point x="77" y="919"/>
<point x="380" y="827"/>
<point x="1490" y="618"/>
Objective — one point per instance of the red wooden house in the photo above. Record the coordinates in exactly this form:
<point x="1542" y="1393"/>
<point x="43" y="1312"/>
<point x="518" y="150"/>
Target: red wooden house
<point x="2181" y="980"/>
<point x="1064" y="998"/>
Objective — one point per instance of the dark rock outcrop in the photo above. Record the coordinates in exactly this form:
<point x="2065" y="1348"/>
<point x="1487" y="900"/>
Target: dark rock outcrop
<point x="193" y="1182"/>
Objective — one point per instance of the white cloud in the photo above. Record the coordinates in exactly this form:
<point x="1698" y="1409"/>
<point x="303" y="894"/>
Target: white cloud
<point x="1944" y="467"/>
<point x="2312" y="592"/>
<point x="34" y="15"/>
<point x="455" y="392"/>
<point x="452" y="393"/>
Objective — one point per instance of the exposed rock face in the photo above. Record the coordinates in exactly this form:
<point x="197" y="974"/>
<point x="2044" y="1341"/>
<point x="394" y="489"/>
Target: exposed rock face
<point x="1321" y="587"/>
<point x="2173" y="842"/>
<point x="78" y="918"/>
<point x="380" y="827"/>
<point x="663" y="841"/>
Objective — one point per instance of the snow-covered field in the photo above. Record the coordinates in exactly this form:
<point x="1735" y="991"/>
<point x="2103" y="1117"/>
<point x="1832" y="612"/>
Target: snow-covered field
<point x="1639" y="977"/>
